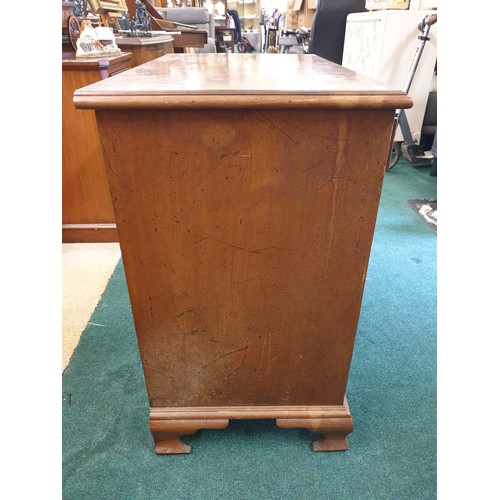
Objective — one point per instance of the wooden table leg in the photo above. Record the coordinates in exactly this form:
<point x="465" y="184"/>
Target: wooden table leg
<point x="334" y="430"/>
<point x="167" y="433"/>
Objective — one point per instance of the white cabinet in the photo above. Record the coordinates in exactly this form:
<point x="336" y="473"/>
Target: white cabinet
<point x="382" y="44"/>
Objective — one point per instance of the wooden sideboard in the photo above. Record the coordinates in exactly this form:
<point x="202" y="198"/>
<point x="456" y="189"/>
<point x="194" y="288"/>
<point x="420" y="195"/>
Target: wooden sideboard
<point x="245" y="250"/>
<point x="87" y="211"/>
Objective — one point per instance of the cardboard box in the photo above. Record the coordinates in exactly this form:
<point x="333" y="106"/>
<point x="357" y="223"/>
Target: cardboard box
<point x="423" y="4"/>
<point x="387" y="4"/>
<point x="300" y="14"/>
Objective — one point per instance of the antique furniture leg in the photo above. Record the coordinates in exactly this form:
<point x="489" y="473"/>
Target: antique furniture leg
<point x="169" y="424"/>
<point x="334" y="430"/>
<point x="167" y="433"/>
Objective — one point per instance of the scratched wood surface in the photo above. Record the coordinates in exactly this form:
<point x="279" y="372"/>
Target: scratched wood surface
<point x="245" y="238"/>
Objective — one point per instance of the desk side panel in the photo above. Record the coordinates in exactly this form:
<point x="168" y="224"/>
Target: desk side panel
<point x="245" y="239"/>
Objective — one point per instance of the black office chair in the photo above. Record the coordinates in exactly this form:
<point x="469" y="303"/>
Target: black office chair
<point x="328" y="27"/>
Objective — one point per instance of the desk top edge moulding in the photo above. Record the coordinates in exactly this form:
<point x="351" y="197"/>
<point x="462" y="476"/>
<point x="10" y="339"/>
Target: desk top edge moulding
<point x="245" y="232"/>
<point x="230" y="79"/>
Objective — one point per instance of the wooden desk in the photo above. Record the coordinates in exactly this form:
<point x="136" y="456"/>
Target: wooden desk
<point x="194" y="38"/>
<point x="183" y="37"/>
<point x="87" y="212"/>
<point x="145" y="49"/>
<point x="245" y="249"/>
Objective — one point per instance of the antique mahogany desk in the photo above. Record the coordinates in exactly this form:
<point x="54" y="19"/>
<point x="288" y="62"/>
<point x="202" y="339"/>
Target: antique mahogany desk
<point x="245" y="189"/>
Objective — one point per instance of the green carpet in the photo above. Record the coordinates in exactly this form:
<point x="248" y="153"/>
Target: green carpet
<point x="108" y="449"/>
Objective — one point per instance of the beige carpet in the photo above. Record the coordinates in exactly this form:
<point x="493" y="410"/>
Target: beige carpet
<point x="86" y="269"/>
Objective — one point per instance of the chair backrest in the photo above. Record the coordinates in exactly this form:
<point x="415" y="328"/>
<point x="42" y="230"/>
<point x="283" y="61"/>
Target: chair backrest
<point x="328" y="27"/>
<point x="194" y="16"/>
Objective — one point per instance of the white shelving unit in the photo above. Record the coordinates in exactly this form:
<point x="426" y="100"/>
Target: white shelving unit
<point x="248" y="12"/>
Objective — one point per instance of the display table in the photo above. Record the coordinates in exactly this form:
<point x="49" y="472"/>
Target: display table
<point x="87" y="212"/>
<point x="245" y="190"/>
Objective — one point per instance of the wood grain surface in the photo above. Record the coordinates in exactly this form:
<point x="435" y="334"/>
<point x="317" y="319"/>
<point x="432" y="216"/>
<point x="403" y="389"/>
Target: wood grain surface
<point x="246" y="254"/>
<point x="240" y="80"/>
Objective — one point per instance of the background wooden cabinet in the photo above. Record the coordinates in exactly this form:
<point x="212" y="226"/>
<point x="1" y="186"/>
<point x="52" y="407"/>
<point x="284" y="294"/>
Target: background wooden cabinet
<point x="87" y="212"/>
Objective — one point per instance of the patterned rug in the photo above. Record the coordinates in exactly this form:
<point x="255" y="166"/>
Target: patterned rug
<point x="427" y="210"/>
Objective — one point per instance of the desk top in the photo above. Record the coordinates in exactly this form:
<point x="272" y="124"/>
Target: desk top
<point x="239" y="80"/>
<point x="125" y="41"/>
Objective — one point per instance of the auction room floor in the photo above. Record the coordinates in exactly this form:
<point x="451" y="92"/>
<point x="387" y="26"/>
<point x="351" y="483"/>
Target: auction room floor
<point x="86" y="269"/>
